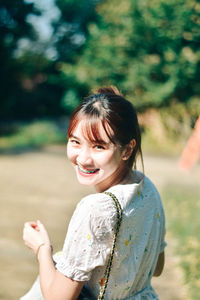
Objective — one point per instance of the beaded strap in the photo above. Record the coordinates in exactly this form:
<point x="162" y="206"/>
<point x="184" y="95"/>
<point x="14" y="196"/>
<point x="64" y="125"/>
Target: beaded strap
<point x="109" y="264"/>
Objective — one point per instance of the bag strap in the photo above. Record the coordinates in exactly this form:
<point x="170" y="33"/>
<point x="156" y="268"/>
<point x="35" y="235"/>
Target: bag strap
<point x="109" y="264"/>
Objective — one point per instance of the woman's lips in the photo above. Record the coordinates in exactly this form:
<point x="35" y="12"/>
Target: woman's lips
<point x="87" y="172"/>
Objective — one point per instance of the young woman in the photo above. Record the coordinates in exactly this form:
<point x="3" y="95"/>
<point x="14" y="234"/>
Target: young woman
<point x="103" y="143"/>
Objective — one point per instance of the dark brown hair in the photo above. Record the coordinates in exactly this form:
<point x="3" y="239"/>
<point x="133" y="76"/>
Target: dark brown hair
<point x="109" y="107"/>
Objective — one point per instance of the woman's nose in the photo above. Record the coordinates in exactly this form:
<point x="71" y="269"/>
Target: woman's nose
<point x="84" y="156"/>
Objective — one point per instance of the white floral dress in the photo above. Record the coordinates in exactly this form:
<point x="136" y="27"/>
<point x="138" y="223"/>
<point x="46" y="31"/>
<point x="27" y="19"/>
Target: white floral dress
<point x="140" y="240"/>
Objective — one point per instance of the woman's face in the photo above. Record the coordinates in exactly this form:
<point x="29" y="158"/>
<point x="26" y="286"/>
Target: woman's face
<point x="95" y="164"/>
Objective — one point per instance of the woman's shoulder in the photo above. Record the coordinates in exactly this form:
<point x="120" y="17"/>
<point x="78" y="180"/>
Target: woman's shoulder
<point x="150" y="188"/>
<point x="141" y="187"/>
<point x="144" y="180"/>
<point x="99" y="204"/>
<point x="145" y="184"/>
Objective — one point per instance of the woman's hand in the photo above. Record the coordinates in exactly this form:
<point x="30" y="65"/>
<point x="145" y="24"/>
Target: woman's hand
<point x="34" y="235"/>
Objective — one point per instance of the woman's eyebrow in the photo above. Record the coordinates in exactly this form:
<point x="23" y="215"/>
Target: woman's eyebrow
<point x="101" y="142"/>
<point x="74" y="137"/>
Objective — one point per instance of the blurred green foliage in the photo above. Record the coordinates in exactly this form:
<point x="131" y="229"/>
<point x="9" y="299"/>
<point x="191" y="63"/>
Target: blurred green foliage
<point x="32" y="84"/>
<point x="71" y="29"/>
<point x="13" y="27"/>
<point x="167" y="129"/>
<point x="149" y="49"/>
<point x="33" y="134"/>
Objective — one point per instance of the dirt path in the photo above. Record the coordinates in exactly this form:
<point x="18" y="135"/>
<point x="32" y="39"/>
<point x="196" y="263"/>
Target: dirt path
<point x="42" y="185"/>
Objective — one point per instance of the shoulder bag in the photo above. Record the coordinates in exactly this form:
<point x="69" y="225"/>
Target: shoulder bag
<point x="85" y="293"/>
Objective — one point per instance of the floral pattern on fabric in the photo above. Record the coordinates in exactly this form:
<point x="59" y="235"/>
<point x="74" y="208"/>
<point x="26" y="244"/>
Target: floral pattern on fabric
<point x="141" y="238"/>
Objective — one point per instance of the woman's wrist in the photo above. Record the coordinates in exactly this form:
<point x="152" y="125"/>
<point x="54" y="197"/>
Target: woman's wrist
<point x="49" y="247"/>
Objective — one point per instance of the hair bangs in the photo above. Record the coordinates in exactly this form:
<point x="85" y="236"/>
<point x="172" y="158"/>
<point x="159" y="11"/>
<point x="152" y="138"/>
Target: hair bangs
<point x="91" y="128"/>
<point x="72" y="126"/>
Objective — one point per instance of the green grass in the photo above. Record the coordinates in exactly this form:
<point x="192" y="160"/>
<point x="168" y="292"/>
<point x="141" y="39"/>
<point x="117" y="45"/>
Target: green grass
<point x="33" y="135"/>
<point x="182" y="206"/>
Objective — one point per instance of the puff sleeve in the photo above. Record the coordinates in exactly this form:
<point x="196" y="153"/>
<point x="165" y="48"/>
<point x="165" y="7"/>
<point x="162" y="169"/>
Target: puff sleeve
<point x="89" y="237"/>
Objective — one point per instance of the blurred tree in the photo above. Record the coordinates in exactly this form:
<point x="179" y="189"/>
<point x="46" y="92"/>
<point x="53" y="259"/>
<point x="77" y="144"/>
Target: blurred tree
<point x="38" y="87"/>
<point x="71" y="30"/>
<point x="149" y="49"/>
<point x="70" y="33"/>
<point x="41" y="95"/>
<point x="13" y="27"/>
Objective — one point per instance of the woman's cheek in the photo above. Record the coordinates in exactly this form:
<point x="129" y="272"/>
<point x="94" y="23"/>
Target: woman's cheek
<point x="71" y="153"/>
<point x="104" y="159"/>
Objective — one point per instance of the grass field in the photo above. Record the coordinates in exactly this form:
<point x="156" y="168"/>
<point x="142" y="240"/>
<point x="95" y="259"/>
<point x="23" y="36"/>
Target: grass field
<point x="182" y="206"/>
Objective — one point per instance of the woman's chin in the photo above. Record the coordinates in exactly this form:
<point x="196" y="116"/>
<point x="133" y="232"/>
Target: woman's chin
<point x="86" y="179"/>
<point x="85" y="182"/>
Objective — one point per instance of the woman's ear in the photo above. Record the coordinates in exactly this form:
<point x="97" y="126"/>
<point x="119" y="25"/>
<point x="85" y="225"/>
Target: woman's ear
<point x="128" y="149"/>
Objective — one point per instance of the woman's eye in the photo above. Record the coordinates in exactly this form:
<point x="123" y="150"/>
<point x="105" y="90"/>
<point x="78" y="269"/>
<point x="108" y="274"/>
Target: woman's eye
<point x="75" y="142"/>
<point x="99" y="147"/>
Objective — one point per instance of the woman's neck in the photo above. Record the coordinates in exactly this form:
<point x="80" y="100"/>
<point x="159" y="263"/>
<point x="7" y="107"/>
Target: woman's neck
<point x="120" y="176"/>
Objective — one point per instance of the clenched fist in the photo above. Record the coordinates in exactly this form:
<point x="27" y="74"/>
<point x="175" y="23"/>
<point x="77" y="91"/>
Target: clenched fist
<point x="35" y="235"/>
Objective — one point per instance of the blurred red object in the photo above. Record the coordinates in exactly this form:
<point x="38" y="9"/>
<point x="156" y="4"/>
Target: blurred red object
<point x="190" y="154"/>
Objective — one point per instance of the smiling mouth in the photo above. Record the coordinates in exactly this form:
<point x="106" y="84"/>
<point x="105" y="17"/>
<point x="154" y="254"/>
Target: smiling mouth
<point x="87" y="171"/>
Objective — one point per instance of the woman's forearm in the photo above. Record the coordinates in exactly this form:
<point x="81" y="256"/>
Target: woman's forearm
<point x="54" y="285"/>
<point x="47" y="272"/>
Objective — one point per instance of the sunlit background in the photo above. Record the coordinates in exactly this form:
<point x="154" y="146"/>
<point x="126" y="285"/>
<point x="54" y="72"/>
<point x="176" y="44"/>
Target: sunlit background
<point x="52" y="54"/>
